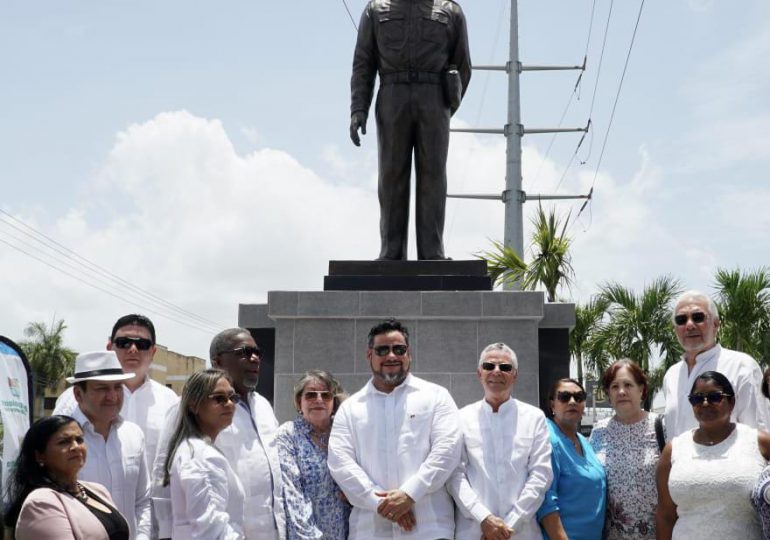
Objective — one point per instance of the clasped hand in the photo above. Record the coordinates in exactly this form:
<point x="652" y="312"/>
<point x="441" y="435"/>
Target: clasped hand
<point x="396" y="506"/>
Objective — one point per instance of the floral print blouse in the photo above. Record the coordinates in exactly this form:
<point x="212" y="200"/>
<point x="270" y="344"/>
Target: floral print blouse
<point x="315" y="509"/>
<point x="629" y="453"/>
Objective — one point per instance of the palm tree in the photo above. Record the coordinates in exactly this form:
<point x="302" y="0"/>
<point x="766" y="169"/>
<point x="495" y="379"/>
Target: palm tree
<point x="743" y="301"/>
<point x="551" y="264"/>
<point x="49" y="359"/>
<point x="639" y="327"/>
<point x="588" y="317"/>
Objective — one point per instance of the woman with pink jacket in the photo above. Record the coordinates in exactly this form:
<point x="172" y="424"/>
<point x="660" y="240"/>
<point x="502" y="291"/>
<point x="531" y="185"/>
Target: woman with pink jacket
<point x="46" y="499"/>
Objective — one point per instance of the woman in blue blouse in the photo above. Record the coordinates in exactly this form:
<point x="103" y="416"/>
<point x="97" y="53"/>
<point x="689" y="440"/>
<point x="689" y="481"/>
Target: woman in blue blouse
<point x="574" y="505"/>
<point x="316" y="509"/>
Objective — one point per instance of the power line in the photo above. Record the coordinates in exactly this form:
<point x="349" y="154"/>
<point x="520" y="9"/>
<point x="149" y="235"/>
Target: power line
<point x="123" y="299"/>
<point x="344" y="3"/>
<point x="614" y="105"/>
<point x="90" y="266"/>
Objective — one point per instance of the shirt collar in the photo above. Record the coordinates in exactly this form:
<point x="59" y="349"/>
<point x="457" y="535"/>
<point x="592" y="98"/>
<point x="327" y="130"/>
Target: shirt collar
<point x="707" y="355"/>
<point x="408" y="381"/>
<point x="507" y="404"/>
<point x="83" y="420"/>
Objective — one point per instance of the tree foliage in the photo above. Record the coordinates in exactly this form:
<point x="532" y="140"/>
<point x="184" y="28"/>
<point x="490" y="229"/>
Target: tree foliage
<point x="48" y="357"/>
<point x="550" y="265"/>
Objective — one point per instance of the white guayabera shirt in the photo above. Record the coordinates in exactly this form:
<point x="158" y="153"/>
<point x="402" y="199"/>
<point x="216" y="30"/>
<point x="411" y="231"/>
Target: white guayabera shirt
<point x="119" y="465"/>
<point x="408" y="439"/>
<point x="505" y="468"/>
<point x="741" y="370"/>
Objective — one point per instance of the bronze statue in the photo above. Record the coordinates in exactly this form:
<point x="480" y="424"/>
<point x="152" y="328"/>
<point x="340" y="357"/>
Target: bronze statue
<point x="420" y="49"/>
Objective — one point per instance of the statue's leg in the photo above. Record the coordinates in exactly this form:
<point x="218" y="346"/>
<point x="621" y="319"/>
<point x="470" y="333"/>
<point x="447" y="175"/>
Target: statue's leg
<point x="431" y="149"/>
<point x="395" y="141"/>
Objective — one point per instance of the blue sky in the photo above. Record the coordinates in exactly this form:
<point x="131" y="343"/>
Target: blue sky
<point x="200" y="150"/>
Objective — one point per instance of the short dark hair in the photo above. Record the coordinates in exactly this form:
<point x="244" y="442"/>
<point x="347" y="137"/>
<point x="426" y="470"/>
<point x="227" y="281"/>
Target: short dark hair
<point x="225" y="341"/>
<point x="636" y="372"/>
<point x="133" y="319"/>
<point x="27" y="475"/>
<point x="765" y="389"/>
<point x="717" y="378"/>
<point x="554" y="386"/>
<point x="385" y="327"/>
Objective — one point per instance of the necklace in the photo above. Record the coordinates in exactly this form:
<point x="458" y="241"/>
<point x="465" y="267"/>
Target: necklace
<point x="320" y="439"/>
<point x="712" y="442"/>
<point x="79" y="493"/>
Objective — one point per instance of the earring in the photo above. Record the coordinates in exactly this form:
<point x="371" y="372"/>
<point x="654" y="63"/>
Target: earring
<point x="41" y="463"/>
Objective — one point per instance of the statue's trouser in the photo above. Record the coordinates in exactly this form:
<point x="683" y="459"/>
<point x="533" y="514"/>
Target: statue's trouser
<point x="412" y="117"/>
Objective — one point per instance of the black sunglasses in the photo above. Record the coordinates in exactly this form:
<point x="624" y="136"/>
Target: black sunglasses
<point x="490" y="366"/>
<point x="711" y="397"/>
<point x="223" y="399"/>
<point x="312" y="395"/>
<point x="245" y="352"/>
<point x="384" y="350"/>
<point x="125" y="342"/>
<point x="565" y="396"/>
<point x="697" y="317"/>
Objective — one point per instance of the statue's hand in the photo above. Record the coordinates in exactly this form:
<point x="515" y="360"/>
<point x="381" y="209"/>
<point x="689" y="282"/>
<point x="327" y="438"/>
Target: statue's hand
<point x="357" y="121"/>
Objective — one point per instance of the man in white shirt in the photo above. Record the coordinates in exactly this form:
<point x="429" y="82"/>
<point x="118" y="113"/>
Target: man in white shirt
<point x="248" y="443"/>
<point x="393" y="446"/>
<point x="115" y="446"/>
<point x="696" y="322"/>
<point x="145" y="401"/>
<point x="505" y="468"/>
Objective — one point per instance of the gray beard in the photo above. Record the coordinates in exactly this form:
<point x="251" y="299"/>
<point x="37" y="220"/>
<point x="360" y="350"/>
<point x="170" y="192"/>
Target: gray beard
<point x="393" y="379"/>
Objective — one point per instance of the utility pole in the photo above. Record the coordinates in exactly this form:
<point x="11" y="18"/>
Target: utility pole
<point x="514" y="196"/>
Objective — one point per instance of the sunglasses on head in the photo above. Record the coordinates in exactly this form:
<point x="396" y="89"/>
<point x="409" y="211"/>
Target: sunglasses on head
<point x="565" y="396"/>
<point x="696" y="318"/>
<point x="711" y="397"/>
<point x="312" y="395"/>
<point x="125" y="342"/>
<point x="223" y="399"/>
<point x="490" y="366"/>
<point x="245" y="352"/>
<point x="384" y="350"/>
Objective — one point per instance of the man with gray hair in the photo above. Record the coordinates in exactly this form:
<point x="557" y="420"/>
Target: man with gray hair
<point x="505" y="467"/>
<point x="696" y="323"/>
<point x="248" y="443"/>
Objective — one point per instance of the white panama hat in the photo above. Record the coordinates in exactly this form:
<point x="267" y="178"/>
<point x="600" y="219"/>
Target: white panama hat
<point x="98" y="366"/>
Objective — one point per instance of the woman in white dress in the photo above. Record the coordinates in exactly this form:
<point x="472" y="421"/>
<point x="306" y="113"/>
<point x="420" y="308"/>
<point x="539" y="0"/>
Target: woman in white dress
<point x="206" y="495"/>
<point x="705" y="476"/>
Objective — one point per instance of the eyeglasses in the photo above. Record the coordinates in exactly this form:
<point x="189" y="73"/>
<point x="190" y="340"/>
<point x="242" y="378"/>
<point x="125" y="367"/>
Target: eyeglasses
<point x="125" y="342"/>
<point x="696" y="318"/>
<point x="384" y="350"/>
<point x="245" y="352"/>
<point x="565" y="396"/>
<point x="490" y="366"/>
<point x="224" y="399"/>
<point x="312" y="395"/>
<point x="711" y="397"/>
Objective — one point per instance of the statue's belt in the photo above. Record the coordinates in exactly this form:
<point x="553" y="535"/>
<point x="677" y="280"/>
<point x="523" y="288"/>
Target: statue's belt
<point x="405" y="77"/>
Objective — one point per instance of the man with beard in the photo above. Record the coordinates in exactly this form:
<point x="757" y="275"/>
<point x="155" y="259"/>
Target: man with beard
<point x="248" y="443"/>
<point x="394" y="444"/>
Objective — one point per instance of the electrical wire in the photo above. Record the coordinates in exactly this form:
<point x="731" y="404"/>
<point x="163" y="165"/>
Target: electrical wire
<point x="90" y="266"/>
<point x="344" y="3"/>
<point x="614" y="107"/>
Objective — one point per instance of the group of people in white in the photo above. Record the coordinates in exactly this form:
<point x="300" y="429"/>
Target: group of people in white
<point x="124" y="457"/>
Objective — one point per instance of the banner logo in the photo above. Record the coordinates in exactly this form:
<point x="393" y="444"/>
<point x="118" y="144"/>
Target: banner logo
<point x="13" y="386"/>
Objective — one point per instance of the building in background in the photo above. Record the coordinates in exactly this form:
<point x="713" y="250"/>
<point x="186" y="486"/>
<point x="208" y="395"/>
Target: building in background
<point x="168" y="368"/>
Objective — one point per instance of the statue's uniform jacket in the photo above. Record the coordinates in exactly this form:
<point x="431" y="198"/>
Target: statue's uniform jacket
<point x="411" y="43"/>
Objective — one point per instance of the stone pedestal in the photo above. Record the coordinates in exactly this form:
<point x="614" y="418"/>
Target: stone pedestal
<point x="448" y="330"/>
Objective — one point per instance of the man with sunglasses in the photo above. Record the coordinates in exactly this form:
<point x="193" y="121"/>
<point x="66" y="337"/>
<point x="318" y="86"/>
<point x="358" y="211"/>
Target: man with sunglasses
<point x="145" y="401"/>
<point x="505" y="467"/>
<point x="696" y="323"/>
<point x="116" y="447"/>
<point x="248" y="443"/>
<point x="393" y="446"/>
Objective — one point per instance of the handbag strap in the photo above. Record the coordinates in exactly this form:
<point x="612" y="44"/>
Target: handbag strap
<point x="659" y="433"/>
